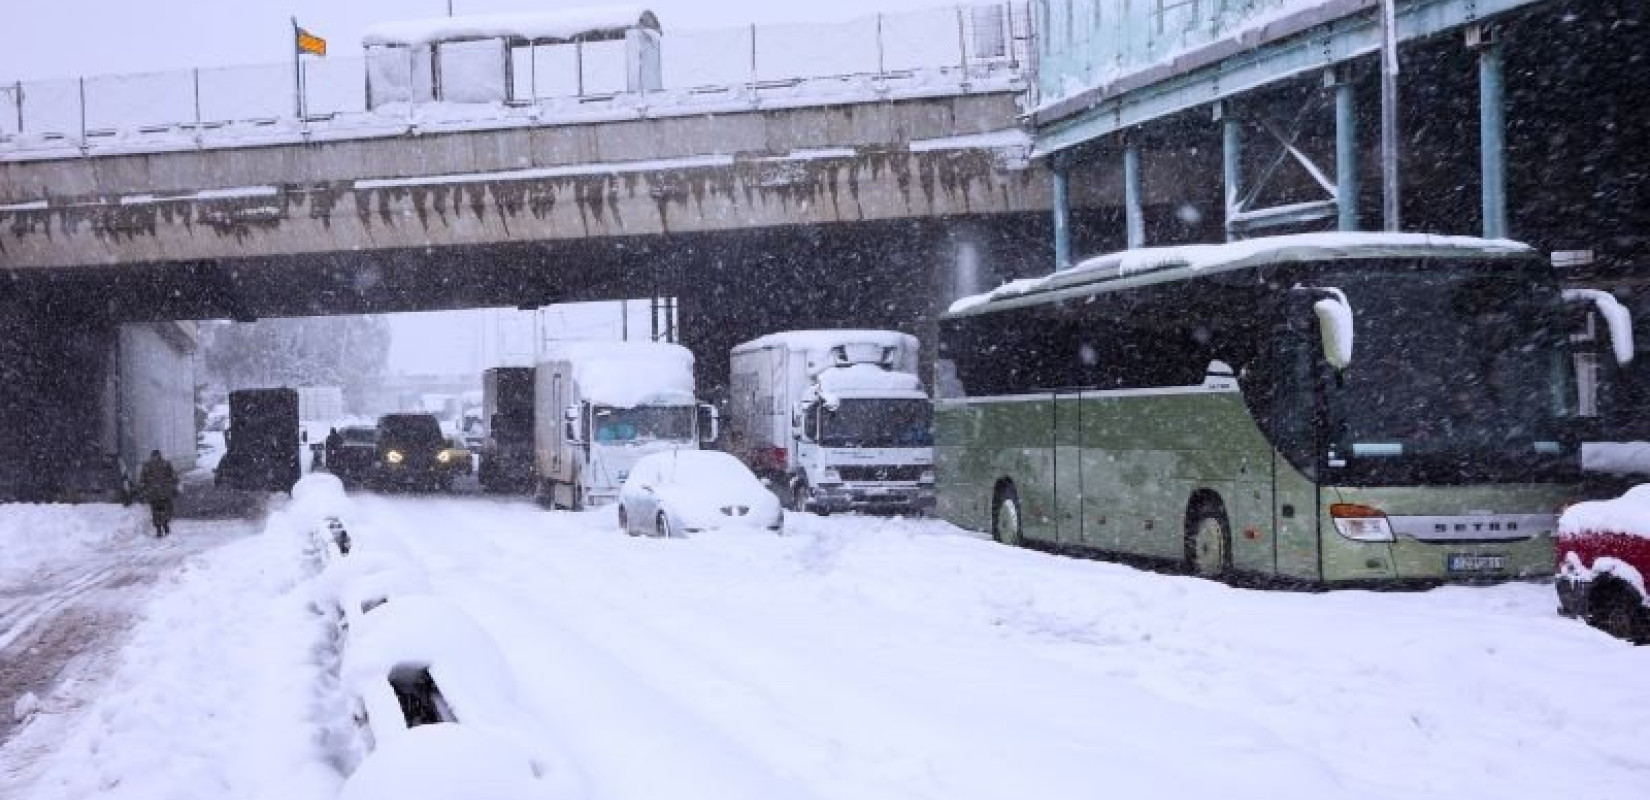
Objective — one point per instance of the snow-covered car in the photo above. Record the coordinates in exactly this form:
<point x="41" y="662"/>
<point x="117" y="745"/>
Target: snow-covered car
<point x="687" y="491"/>
<point x="1603" y="558"/>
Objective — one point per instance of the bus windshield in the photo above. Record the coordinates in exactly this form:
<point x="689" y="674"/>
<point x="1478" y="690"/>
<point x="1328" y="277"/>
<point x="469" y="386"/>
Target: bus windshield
<point x="1458" y="375"/>
<point x="643" y="424"/>
<point x="876" y="423"/>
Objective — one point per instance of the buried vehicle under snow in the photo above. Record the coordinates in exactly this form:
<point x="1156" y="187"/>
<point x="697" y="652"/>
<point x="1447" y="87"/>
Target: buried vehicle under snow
<point x="687" y="491"/>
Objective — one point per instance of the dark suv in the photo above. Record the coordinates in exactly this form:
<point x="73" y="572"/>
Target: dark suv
<point x="409" y="446"/>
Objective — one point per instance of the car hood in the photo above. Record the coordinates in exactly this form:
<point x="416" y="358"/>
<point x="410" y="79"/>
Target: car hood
<point x="700" y="510"/>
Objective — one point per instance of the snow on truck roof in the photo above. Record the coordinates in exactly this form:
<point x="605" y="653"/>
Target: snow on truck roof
<point x="566" y="25"/>
<point x="823" y="340"/>
<point x="869" y="379"/>
<point x="628" y="374"/>
<point x="1169" y="263"/>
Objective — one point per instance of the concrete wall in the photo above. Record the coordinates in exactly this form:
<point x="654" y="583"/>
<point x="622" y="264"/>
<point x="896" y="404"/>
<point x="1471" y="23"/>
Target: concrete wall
<point x="156" y="390"/>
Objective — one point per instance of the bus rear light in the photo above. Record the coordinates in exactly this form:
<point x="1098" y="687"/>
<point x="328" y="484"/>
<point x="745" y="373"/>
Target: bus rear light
<point x="1361" y="523"/>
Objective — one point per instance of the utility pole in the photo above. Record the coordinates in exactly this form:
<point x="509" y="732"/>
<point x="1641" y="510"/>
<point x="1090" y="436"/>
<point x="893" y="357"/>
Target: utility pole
<point x="1389" y="116"/>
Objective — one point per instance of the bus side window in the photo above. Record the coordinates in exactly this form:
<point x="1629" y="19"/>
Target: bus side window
<point x="1293" y="402"/>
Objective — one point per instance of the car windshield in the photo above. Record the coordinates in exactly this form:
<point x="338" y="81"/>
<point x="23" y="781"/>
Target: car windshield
<point x="643" y="424"/>
<point x="876" y="423"/>
<point x="410" y="430"/>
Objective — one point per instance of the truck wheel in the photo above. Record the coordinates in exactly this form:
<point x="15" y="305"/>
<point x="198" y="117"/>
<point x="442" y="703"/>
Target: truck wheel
<point x="1617" y="610"/>
<point x="799" y="497"/>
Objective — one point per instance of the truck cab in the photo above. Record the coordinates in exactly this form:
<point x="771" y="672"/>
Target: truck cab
<point x="861" y="442"/>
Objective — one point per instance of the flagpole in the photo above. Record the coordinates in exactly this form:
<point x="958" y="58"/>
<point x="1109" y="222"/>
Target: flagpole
<point x="297" y="74"/>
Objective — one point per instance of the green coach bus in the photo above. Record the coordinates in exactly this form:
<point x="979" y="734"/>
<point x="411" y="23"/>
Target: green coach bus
<point x="1326" y="409"/>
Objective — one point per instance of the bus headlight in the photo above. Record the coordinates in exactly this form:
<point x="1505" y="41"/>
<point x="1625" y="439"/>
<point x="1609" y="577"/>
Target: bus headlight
<point x="444" y="456"/>
<point x="394" y="457"/>
<point x="1361" y="523"/>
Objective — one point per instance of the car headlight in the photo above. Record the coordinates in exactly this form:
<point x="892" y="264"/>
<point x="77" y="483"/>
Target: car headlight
<point x="394" y="457"/>
<point x="736" y="511"/>
<point x="444" y="456"/>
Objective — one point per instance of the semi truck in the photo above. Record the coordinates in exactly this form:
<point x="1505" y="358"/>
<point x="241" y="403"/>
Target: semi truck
<point x="263" y="441"/>
<point x="599" y="407"/>
<point x="507" y="419"/>
<point x="837" y="418"/>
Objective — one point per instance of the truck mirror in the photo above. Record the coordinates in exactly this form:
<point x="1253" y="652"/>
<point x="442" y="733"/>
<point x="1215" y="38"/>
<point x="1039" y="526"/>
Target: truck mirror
<point x="799" y="423"/>
<point x="303" y="436"/>
<point x="710" y="423"/>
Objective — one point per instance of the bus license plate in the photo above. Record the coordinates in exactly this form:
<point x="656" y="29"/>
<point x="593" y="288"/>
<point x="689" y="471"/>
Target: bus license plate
<point x="1462" y="562"/>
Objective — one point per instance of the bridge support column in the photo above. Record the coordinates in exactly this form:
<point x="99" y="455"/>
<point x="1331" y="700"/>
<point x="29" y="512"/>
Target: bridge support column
<point x="1231" y="163"/>
<point x="1134" y="217"/>
<point x="1062" y="213"/>
<point x="1346" y="153"/>
<point x="1492" y="134"/>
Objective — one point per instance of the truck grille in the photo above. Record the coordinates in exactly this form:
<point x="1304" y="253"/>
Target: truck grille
<point x="905" y="472"/>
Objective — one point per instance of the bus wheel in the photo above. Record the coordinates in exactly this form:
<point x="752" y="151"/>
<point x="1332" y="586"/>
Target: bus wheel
<point x="1005" y="517"/>
<point x="1208" y="543"/>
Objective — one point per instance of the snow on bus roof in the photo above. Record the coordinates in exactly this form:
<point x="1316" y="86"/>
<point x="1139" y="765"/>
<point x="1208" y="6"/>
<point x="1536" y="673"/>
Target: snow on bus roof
<point x="1249" y="252"/>
<point x="628" y="374"/>
<point x="566" y="25"/>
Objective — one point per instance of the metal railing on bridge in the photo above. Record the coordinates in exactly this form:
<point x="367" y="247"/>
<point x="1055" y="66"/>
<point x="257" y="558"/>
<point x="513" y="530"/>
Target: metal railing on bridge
<point x="947" y="50"/>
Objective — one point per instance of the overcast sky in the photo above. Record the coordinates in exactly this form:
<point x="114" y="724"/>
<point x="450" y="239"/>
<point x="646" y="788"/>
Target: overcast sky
<point x="65" y="38"/>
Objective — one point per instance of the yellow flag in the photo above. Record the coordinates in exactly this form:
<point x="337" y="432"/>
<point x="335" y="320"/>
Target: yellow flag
<point x="310" y="43"/>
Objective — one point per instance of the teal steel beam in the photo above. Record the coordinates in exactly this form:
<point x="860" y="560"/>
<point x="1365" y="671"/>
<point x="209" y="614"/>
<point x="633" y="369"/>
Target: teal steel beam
<point x="1133" y="216"/>
<point x="1492" y="138"/>
<point x="1062" y="214"/>
<point x="1231" y="163"/>
<point x="1326" y="46"/>
<point x="1346" y="153"/>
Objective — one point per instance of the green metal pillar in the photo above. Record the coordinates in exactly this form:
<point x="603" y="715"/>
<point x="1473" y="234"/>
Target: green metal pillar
<point x="1231" y="163"/>
<point x="1492" y="138"/>
<point x="1133" y="216"/>
<point x="1062" y="213"/>
<point x="1346" y="154"/>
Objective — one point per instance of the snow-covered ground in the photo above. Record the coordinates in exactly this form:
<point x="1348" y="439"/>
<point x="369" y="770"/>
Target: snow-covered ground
<point x="201" y="670"/>
<point x="863" y="658"/>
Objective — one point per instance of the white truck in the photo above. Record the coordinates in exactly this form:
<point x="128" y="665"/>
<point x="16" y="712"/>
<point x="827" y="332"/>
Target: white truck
<point x="598" y="407"/>
<point x="838" y="418"/>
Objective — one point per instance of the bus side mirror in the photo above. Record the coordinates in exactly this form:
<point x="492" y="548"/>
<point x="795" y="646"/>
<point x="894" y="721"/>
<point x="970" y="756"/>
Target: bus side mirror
<point x="1335" y="326"/>
<point x="1617" y="319"/>
<point x="710" y="423"/>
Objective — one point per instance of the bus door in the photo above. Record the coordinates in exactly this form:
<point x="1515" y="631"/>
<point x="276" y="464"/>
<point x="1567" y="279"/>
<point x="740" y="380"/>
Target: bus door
<point x="1068" y="469"/>
<point x="1296" y="411"/>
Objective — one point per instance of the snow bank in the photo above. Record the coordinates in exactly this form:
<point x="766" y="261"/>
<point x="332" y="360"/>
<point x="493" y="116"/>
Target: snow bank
<point x="595" y="23"/>
<point x="628" y="374"/>
<point x="36" y="538"/>
<point x="223" y="691"/>
<point x="1233" y="255"/>
<point x="1628" y="515"/>
<point x="448" y="762"/>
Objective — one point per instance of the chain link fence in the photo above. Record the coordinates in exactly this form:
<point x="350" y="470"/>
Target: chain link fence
<point x="955" y="48"/>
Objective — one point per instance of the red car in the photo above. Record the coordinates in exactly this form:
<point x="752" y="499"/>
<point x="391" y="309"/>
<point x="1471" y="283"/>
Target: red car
<point x="1603" y="558"/>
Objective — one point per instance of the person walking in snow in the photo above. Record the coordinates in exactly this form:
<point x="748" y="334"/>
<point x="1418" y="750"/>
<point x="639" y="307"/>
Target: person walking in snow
<point x="158" y="484"/>
<point x="334" y="443"/>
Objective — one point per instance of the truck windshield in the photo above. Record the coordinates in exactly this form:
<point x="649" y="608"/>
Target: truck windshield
<point x="876" y="423"/>
<point x="1460" y="374"/>
<point x="643" y="423"/>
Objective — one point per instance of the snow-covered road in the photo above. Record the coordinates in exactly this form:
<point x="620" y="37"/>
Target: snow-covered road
<point x="865" y="658"/>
